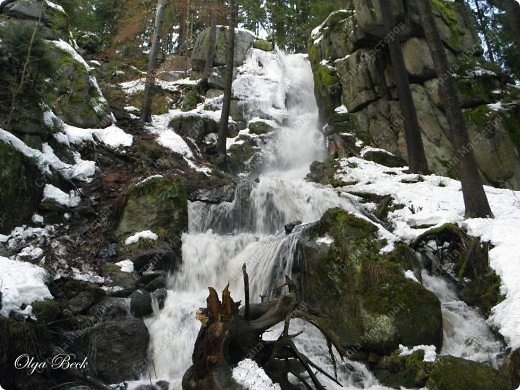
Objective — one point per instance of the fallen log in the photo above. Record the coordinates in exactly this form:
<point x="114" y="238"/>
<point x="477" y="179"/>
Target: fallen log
<point x="230" y="333"/>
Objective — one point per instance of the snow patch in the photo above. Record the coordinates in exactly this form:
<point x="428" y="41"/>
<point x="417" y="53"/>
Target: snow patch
<point x="126" y="265"/>
<point x="171" y="140"/>
<point x="21" y="283"/>
<point x="57" y="196"/>
<point x="147" y="234"/>
<point x="252" y="377"/>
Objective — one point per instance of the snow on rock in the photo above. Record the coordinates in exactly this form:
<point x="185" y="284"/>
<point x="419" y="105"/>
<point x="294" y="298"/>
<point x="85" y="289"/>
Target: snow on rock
<point x="114" y="137"/>
<point x="50" y="4"/>
<point x="21" y="283"/>
<point x="126" y="265"/>
<point x="45" y="159"/>
<point x="252" y="377"/>
<point x="153" y="177"/>
<point x="111" y="136"/>
<point x="171" y="140"/>
<point x="147" y="234"/>
<point x="429" y="351"/>
<point x="57" y="196"/>
<point x="61" y="44"/>
<point x="83" y="170"/>
<point x="19" y="145"/>
<point x="410" y="275"/>
<point x="37" y="219"/>
<point x="431" y="201"/>
<point x="325" y="240"/>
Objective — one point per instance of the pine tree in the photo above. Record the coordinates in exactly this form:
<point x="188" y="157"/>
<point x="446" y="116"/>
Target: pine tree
<point x="475" y="198"/>
<point x="146" y="111"/>
<point x="416" y="156"/>
<point x="226" y="105"/>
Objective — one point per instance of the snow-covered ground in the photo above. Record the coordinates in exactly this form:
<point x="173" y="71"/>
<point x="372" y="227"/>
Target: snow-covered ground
<point x="21" y="283"/>
<point x="433" y="201"/>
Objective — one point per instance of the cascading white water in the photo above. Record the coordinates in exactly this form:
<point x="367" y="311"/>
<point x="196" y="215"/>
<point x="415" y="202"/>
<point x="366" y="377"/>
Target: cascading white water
<point x="466" y="333"/>
<point x="251" y="228"/>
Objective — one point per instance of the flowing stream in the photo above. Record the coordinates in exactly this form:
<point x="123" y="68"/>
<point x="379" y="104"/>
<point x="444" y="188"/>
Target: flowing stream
<point x="251" y="230"/>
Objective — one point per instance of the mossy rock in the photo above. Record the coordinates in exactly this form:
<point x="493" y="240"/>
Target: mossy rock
<point x="404" y="371"/>
<point x="452" y="373"/>
<point x="191" y="100"/>
<point x="73" y="93"/>
<point x="47" y="310"/>
<point x="160" y="205"/>
<point x="263" y="44"/>
<point x="365" y="297"/>
<point x="21" y="188"/>
<point x="385" y="158"/>
<point x="53" y="18"/>
<point x="327" y="87"/>
<point x="241" y="154"/>
<point x="260" y="127"/>
<point x="323" y="173"/>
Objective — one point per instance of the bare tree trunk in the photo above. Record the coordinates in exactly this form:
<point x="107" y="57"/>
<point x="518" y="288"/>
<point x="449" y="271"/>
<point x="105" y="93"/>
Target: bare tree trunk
<point x="226" y="106"/>
<point x="484" y="30"/>
<point x="475" y="198"/>
<point x="212" y="40"/>
<point x="146" y="111"/>
<point x="416" y="156"/>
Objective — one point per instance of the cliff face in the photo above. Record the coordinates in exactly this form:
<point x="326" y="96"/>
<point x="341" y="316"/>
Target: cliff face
<point x="357" y="94"/>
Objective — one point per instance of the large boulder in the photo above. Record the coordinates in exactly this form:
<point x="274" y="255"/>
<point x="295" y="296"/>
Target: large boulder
<point x="74" y="94"/>
<point x="159" y="205"/>
<point x="445" y="373"/>
<point x="364" y="296"/>
<point x="55" y="22"/>
<point x="452" y="373"/>
<point x="121" y="346"/>
<point x="244" y="40"/>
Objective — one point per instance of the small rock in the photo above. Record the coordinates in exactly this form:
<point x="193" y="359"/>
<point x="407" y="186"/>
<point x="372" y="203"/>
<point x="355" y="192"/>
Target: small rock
<point x="157" y="283"/>
<point x="160" y="295"/>
<point x="290" y="226"/>
<point x="108" y="253"/>
<point x="141" y="303"/>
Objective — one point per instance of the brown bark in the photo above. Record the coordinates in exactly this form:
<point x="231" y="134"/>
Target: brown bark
<point x="416" y="156"/>
<point x="475" y="199"/>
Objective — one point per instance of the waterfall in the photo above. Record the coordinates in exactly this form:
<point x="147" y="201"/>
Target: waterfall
<point x="251" y="228"/>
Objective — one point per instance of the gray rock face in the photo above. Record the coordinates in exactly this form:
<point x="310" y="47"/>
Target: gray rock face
<point x="352" y="68"/>
<point x="244" y="40"/>
<point x="55" y="20"/>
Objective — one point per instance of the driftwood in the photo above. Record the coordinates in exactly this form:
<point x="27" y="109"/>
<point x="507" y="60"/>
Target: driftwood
<point x="230" y="333"/>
